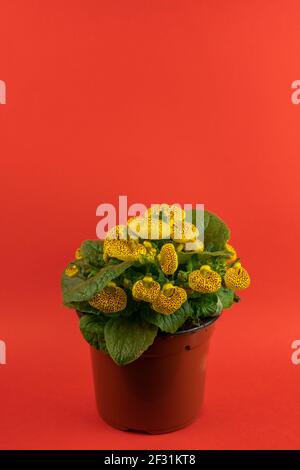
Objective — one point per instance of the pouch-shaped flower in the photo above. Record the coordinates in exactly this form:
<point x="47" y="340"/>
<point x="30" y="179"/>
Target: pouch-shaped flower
<point x="169" y="299"/>
<point x="146" y="289"/>
<point x="168" y="259"/>
<point x="111" y="299"/>
<point x="184" y="232"/>
<point x="168" y="213"/>
<point x="205" y="280"/>
<point x="237" y="277"/>
<point x="149" y="228"/>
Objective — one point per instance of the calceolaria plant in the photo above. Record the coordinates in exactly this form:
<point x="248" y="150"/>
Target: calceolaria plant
<point x="134" y="286"/>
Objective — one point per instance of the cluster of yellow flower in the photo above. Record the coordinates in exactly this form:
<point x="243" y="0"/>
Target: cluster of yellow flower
<point x="126" y="243"/>
<point x="166" y="300"/>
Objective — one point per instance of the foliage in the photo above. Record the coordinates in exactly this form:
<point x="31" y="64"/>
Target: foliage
<point x="126" y="334"/>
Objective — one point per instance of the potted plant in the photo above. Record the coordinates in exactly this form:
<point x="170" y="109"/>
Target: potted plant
<point x="148" y="307"/>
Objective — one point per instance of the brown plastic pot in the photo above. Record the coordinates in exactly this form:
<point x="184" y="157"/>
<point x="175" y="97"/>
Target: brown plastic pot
<point x="162" y="390"/>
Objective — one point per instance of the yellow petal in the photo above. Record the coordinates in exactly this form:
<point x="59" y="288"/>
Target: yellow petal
<point x="205" y="280"/>
<point x="110" y="300"/>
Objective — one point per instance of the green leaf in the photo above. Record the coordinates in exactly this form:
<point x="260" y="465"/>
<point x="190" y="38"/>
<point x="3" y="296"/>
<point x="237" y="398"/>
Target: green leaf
<point x="222" y="253"/>
<point x="167" y="323"/>
<point x="92" y="329"/>
<point x="83" y="307"/>
<point x="226" y="296"/>
<point x="92" y="251"/>
<point x="216" y="232"/>
<point x="128" y="337"/>
<point x="85" y="289"/>
<point x="206" y="305"/>
<point x="68" y="283"/>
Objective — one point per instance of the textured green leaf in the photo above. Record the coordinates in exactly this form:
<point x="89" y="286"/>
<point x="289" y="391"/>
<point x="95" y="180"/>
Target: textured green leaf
<point x="92" y="329"/>
<point x="216" y="232"/>
<point x="68" y="283"/>
<point x="128" y="337"/>
<point x="167" y="323"/>
<point x="206" y="305"/>
<point x="92" y="250"/>
<point x="226" y="296"/>
<point x="83" y="307"/>
<point x="85" y="289"/>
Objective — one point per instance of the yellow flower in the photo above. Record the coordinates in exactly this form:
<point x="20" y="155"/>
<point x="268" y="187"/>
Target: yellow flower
<point x="136" y="227"/>
<point x="119" y="232"/>
<point x="159" y="230"/>
<point x="233" y="254"/>
<point x="78" y="254"/>
<point x="124" y="250"/>
<point x="71" y="270"/>
<point x="237" y="277"/>
<point x="205" y="280"/>
<point x="151" y="251"/>
<point x="148" y="228"/>
<point x="146" y="289"/>
<point x="169" y="299"/>
<point x="120" y="248"/>
<point x="157" y="222"/>
<point x="176" y="213"/>
<point x="168" y="259"/>
<point x="172" y="213"/>
<point x="110" y="300"/>
<point x="184" y="232"/>
<point x="196" y="246"/>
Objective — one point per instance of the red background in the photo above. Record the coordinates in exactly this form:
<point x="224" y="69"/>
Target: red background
<point x="163" y="101"/>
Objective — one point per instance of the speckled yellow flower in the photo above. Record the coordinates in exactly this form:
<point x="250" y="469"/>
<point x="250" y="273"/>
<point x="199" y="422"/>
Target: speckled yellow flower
<point x="159" y="230"/>
<point x="136" y="227"/>
<point x="78" y="254"/>
<point x="149" y="229"/>
<point x="205" y="280"/>
<point x="233" y="254"/>
<point x="111" y="299"/>
<point x="146" y="289"/>
<point x="237" y="278"/>
<point x="168" y="259"/>
<point x="122" y="249"/>
<point x="169" y="299"/>
<point x="71" y="270"/>
<point x="166" y="212"/>
<point x="119" y="232"/>
<point x="184" y="232"/>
